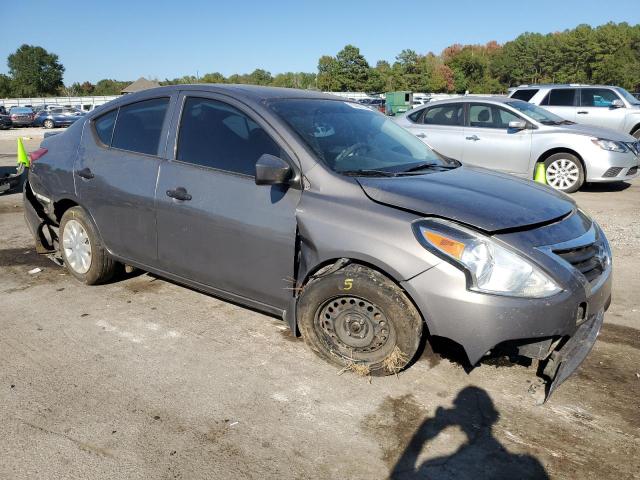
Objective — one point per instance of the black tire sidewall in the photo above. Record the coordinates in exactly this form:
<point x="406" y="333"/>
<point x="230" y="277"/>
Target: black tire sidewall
<point x="369" y="285"/>
<point x="100" y="269"/>
<point x="572" y="158"/>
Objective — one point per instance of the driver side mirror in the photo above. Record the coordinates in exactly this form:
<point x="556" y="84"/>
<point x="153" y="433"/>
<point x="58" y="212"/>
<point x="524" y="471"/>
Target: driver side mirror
<point x="272" y="170"/>
<point x="517" y="125"/>
<point x="617" y="103"/>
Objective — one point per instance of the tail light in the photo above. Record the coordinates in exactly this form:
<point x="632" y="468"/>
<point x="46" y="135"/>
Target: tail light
<point x="33" y="156"/>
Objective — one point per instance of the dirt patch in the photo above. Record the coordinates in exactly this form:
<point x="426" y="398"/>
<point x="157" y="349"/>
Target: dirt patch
<point x="393" y="424"/>
<point x="11" y="208"/>
<point x="289" y="336"/>
<point x="620" y="335"/>
<point x="143" y="284"/>
<point x="11" y="257"/>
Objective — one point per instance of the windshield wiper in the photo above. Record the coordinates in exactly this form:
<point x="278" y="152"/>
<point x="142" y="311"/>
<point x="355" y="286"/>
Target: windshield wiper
<point x="423" y="166"/>
<point x="363" y="172"/>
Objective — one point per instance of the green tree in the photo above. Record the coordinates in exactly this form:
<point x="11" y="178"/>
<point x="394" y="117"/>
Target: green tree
<point x="109" y="87"/>
<point x="6" y="86"/>
<point x="351" y="70"/>
<point x="34" y="71"/>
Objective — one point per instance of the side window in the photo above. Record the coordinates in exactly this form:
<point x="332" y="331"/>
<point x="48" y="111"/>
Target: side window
<point x="597" y="97"/>
<point x="451" y="114"/>
<point x="503" y="117"/>
<point x="104" y="126"/>
<point x="481" y="116"/>
<point x="415" y="116"/>
<point x="525" y="95"/>
<point x="560" y="97"/>
<point x="139" y="126"/>
<point x="214" y="134"/>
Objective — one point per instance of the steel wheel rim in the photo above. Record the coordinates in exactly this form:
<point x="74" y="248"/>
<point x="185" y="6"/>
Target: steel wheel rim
<point x="48" y="124"/>
<point x="562" y="174"/>
<point x="77" y="247"/>
<point x="355" y="329"/>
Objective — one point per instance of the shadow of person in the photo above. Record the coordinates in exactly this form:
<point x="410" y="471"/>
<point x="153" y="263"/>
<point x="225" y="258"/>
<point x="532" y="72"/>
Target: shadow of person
<point x="480" y="457"/>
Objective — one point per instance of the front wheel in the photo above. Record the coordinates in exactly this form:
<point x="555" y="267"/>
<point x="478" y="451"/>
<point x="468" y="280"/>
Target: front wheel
<point x="48" y="124"/>
<point x="81" y="248"/>
<point x="358" y="318"/>
<point x="564" y="172"/>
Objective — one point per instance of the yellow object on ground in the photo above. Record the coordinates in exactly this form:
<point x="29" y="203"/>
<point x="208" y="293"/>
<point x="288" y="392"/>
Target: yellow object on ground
<point x="23" y="158"/>
<point x="541" y="174"/>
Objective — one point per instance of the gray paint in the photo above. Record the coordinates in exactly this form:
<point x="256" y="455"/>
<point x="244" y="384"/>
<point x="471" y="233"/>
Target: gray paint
<point x="245" y="242"/>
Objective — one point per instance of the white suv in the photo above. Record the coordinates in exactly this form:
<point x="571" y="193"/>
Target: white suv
<point x="598" y="105"/>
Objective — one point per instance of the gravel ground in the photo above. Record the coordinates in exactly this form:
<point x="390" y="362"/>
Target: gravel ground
<point x="143" y="378"/>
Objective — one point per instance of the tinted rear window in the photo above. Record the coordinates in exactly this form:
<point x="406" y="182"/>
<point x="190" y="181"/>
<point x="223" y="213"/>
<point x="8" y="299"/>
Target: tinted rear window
<point x="139" y="126"/>
<point x="104" y="126"/>
<point x="560" y="97"/>
<point x="524" y="95"/>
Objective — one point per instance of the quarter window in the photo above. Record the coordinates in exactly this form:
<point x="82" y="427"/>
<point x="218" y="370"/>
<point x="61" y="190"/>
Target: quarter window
<point x="104" y="126"/>
<point x="444" y="115"/>
<point x="139" y="126"/>
<point x="560" y="97"/>
<point x="214" y="134"/>
<point x="597" y="97"/>
<point x="524" y="95"/>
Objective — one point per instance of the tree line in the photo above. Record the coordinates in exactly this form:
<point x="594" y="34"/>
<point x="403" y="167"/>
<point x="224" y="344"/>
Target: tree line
<point x="607" y="54"/>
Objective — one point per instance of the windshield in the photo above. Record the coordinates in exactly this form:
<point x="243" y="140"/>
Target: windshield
<point x="627" y="96"/>
<point x="537" y="113"/>
<point x="352" y="139"/>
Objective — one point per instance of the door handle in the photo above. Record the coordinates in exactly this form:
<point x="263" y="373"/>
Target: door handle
<point x="475" y="138"/>
<point x="421" y="135"/>
<point x="180" y="193"/>
<point x="582" y="112"/>
<point x="85" y="173"/>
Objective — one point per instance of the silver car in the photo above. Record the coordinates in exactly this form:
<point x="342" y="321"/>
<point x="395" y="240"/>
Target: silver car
<point x="599" y="105"/>
<point x="512" y="136"/>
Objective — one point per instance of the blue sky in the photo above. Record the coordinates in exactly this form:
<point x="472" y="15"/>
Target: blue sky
<point x="165" y="39"/>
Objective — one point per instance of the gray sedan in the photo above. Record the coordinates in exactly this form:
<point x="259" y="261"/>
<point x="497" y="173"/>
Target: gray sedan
<point x="512" y="136"/>
<point x="328" y="215"/>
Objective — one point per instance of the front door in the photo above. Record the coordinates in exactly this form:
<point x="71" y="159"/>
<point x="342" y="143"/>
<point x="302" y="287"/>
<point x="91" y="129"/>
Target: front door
<point x="596" y="108"/>
<point x="490" y="143"/>
<point x="116" y="172"/>
<point x="217" y="227"/>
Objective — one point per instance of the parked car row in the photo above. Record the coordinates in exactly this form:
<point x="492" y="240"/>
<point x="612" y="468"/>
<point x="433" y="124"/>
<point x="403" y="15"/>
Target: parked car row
<point x="513" y="134"/>
<point x="47" y="116"/>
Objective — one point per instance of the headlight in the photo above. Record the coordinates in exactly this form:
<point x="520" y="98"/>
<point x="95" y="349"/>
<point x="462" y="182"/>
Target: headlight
<point x="491" y="267"/>
<point x="610" y="145"/>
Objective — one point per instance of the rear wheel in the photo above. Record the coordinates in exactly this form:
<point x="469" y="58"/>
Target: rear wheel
<point x="357" y="318"/>
<point x="48" y="124"/>
<point x="81" y="248"/>
<point x="564" y="172"/>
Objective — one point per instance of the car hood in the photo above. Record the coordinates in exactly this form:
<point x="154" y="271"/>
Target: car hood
<point x="599" y="132"/>
<point x="483" y="199"/>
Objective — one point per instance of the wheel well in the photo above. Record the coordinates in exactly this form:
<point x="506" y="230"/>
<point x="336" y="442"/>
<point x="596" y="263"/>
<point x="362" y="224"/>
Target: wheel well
<point x="635" y="129"/>
<point x="62" y="206"/>
<point x="553" y="151"/>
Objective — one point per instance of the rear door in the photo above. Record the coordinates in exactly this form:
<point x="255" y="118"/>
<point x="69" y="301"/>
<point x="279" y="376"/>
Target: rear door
<point x="115" y="175"/>
<point x="490" y="143"/>
<point x="596" y="108"/>
<point x="563" y="102"/>
<point x="441" y="127"/>
<point x="223" y="230"/>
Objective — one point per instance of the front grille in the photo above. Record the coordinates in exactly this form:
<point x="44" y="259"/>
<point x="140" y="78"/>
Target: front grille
<point x="612" y="172"/>
<point x="587" y="260"/>
<point x="633" y="170"/>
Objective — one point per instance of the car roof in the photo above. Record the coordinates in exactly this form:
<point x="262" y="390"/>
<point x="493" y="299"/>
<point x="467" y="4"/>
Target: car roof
<point x="561" y="85"/>
<point x="474" y="98"/>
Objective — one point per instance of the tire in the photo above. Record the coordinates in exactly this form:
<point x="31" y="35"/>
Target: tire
<point x="636" y="133"/>
<point x="48" y="124"/>
<point x="357" y="317"/>
<point x="564" y="172"/>
<point x="77" y="235"/>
